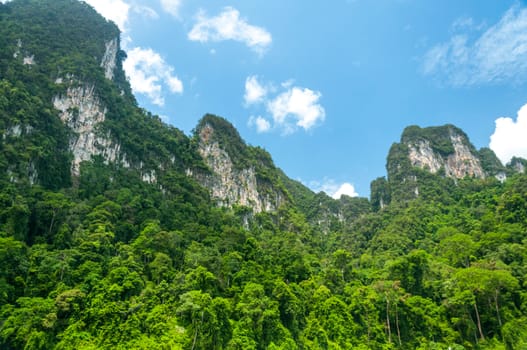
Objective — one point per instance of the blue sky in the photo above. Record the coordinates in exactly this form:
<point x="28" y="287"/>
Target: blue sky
<point x="327" y="86"/>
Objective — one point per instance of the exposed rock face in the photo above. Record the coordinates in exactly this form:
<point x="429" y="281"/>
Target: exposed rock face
<point x="423" y="156"/>
<point x="15" y="131"/>
<point x="149" y="177"/>
<point x="501" y="177"/>
<point x="32" y="173"/>
<point x="82" y="112"/>
<point x="518" y="165"/>
<point x="463" y="162"/>
<point x="26" y="60"/>
<point x="18" y="47"/>
<point x="457" y="165"/>
<point x="29" y="60"/>
<point x="228" y="185"/>
<point x="109" y="60"/>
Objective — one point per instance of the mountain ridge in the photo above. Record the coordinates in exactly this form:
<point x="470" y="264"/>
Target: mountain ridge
<point x="83" y="107"/>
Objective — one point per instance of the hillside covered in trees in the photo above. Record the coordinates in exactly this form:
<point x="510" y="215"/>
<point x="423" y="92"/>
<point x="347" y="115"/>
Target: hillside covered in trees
<point x="126" y="243"/>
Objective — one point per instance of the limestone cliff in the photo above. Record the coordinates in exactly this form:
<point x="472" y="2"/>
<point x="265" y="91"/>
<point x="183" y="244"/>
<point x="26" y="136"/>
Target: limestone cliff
<point x="427" y="159"/>
<point x="461" y="162"/>
<point x="109" y="60"/>
<point x="81" y="110"/>
<point x="229" y="182"/>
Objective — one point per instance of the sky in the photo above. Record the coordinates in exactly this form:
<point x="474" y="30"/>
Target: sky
<point x="326" y="87"/>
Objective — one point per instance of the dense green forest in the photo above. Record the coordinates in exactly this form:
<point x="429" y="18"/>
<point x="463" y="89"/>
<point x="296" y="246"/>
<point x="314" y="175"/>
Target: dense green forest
<point x="106" y="260"/>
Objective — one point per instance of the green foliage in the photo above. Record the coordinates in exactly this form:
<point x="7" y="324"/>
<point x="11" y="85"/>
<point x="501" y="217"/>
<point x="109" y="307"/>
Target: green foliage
<point x="34" y="144"/>
<point x="490" y="162"/>
<point x="380" y="195"/>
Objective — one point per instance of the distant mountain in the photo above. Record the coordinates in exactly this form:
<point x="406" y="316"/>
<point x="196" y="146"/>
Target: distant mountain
<point x="443" y="151"/>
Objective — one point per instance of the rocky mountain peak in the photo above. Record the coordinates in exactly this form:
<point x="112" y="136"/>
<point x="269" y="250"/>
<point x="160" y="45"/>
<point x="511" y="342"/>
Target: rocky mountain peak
<point x="205" y="134"/>
<point x="429" y="158"/>
<point x="444" y="149"/>
<point x="212" y="128"/>
<point x="234" y="177"/>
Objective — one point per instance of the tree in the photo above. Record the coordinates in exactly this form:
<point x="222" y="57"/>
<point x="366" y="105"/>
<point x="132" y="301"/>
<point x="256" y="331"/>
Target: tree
<point x="14" y="262"/>
<point x="411" y="271"/>
<point x="192" y="310"/>
<point x="483" y="284"/>
<point x="393" y="293"/>
<point x="458" y="249"/>
<point x="50" y="213"/>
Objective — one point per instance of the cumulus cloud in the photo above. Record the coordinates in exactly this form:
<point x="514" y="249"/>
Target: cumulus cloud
<point x="262" y="125"/>
<point x="228" y="25"/>
<point x="113" y="10"/>
<point x="509" y="138"/>
<point x="171" y="6"/>
<point x="496" y="55"/>
<point x="149" y="74"/>
<point x="291" y="108"/>
<point x="333" y="188"/>
<point x="297" y="107"/>
<point x="346" y="189"/>
<point x="254" y="91"/>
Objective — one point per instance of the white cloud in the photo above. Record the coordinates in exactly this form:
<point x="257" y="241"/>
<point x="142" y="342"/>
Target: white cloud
<point x="149" y="74"/>
<point x="171" y="6"/>
<point x="229" y="26"/>
<point x="291" y="107"/>
<point x="297" y="107"/>
<point x="346" y="189"/>
<point x="498" y="54"/>
<point x="509" y="138"/>
<point x="332" y="188"/>
<point x="262" y="125"/>
<point x="113" y="10"/>
<point x="254" y="91"/>
<point x="118" y="11"/>
<point x="145" y="11"/>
